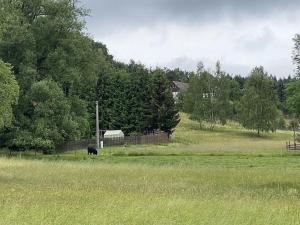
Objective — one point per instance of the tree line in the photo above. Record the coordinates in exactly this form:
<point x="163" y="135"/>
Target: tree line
<point x="259" y="102"/>
<point x="52" y="72"/>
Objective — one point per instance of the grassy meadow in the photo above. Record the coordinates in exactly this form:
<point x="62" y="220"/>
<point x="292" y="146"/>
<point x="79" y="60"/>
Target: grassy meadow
<point x="227" y="176"/>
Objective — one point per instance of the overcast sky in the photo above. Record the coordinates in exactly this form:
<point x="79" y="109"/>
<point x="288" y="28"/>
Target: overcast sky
<point x="180" y="33"/>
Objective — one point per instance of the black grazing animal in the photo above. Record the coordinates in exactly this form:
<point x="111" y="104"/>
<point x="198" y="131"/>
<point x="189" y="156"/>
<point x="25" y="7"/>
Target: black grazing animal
<point x="92" y="150"/>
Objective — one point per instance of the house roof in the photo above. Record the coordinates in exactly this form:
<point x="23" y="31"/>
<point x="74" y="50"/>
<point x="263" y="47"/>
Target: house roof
<point x="179" y="86"/>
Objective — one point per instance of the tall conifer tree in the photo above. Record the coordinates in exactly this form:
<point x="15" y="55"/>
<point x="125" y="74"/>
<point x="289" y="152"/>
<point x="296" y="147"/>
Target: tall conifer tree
<point x="165" y="114"/>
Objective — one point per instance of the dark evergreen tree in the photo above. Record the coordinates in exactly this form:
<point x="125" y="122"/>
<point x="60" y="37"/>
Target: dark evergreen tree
<point x="165" y="114"/>
<point x="138" y="93"/>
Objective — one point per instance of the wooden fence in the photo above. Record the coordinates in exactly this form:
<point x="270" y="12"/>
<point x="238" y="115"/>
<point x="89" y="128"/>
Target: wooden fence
<point x="75" y="145"/>
<point x="292" y="146"/>
<point x="155" y="138"/>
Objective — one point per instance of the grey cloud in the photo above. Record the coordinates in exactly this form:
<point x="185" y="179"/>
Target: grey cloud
<point x="108" y="15"/>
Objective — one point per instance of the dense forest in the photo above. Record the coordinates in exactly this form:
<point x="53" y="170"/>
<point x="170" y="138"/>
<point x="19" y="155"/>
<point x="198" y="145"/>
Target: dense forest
<point x="59" y="74"/>
<point x="52" y="72"/>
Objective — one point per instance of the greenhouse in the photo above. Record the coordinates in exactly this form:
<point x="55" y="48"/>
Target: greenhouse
<point x="111" y="134"/>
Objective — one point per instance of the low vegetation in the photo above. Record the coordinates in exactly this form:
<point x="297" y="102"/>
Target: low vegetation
<point x="227" y="176"/>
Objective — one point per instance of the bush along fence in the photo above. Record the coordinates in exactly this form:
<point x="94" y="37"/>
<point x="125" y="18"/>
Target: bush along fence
<point x="155" y="138"/>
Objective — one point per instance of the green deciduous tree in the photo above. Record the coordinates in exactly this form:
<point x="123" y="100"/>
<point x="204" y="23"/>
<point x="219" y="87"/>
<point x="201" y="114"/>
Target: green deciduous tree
<point x="54" y="116"/>
<point x="293" y="100"/>
<point x="291" y="92"/>
<point x="208" y="98"/>
<point x="9" y="93"/>
<point x="293" y="88"/>
<point x="259" y="105"/>
<point x="44" y="40"/>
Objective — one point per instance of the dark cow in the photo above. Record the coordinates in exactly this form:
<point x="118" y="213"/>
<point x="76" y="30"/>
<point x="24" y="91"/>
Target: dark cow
<point x="92" y="150"/>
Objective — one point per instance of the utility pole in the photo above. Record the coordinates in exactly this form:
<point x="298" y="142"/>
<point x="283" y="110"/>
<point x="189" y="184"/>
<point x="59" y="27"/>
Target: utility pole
<point x="97" y="124"/>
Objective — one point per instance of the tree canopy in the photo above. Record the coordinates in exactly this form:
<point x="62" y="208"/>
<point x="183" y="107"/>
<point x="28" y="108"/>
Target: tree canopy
<point x="9" y="93"/>
<point x="258" y="106"/>
<point x="209" y="97"/>
<point x="293" y="87"/>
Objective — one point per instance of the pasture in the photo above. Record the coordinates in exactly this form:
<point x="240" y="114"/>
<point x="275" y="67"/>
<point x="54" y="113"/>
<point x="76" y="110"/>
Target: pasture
<point x="227" y="176"/>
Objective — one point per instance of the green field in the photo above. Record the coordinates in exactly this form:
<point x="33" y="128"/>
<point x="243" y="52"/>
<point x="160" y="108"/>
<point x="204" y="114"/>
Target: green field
<point x="228" y="176"/>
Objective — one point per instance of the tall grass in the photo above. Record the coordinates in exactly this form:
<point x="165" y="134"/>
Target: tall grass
<point x="43" y="192"/>
<point x="224" y="177"/>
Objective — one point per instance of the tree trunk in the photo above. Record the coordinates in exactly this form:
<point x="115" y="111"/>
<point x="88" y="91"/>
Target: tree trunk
<point x="294" y="135"/>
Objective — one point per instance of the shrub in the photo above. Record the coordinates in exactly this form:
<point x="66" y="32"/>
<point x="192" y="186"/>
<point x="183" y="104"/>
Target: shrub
<point x="21" y="142"/>
<point x="281" y="124"/>
<point x="24" y="141"/>
<point x="46" y="146"/>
